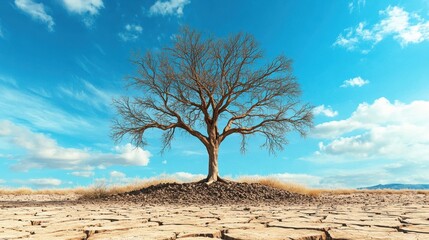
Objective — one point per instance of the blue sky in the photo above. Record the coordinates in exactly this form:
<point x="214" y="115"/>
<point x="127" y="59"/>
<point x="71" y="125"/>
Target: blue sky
<point x="364" y="66"/>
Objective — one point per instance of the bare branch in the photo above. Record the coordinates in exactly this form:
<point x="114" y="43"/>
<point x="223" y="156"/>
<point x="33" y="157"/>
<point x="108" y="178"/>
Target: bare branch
<point x="202" y="84"/>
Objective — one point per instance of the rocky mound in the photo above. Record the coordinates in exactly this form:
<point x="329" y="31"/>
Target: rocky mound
<point x="216" y="193"/>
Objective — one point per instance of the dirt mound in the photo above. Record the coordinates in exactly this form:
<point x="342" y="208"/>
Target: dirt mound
<point x="216" y="193"/>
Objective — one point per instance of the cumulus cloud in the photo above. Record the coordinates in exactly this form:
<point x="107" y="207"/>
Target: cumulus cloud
<point x="88" y="9"/>
<point x="131" y="32"/>
<point x="169" y="7"/>
<point x="386" y="130"/>
<point x="36" y="11"/>
<point x="326" y="111"/>
<point x="83" y="6"/>
<point x="389" y="140"/>
<point x="404" y="27"/>
<point x="41" y="151"/>
<point x="117" y="174"/>
<point x="85" y="174"/>
<point x="43" y="182"/>
<point x="354" y="82"/>
<point x="131" y="155"/>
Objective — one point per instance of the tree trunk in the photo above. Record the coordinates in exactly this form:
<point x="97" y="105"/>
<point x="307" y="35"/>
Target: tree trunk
<point x="213" y="164"/>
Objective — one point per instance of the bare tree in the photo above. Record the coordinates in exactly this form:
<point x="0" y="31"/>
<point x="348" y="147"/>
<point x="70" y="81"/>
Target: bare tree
<point x="212" y="88"/>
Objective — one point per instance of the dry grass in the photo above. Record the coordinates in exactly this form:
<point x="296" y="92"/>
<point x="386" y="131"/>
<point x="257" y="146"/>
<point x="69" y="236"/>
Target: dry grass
<point x="101" y="189"/>
<point x="297" y="188"/>
<point x="275" y="183"/>
<point x="94" y="191"/>
<point x="29" y="191"/>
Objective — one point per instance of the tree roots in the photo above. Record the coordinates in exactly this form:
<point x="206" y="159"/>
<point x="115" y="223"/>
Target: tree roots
<point x="209" y="181"/>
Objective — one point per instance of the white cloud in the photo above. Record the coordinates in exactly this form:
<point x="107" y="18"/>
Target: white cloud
<point x="41" y="151"/>
<point x="86" y="174"/>
<point x="117" y="174"/>
<point x="326" y="111"/>
<point x="36" y="11"/>
<point x="117" y="178"/>
<point x="356" y="178"/>
<point x="130" y="155"/>
<point x="405" y="27"/>
<point x="193" y="153"/>
<point x="131" y="32"/>
<point x="376" y="174"/>
<point x="351" y="6"/>
<point x="382" y="130"/>
<point x="182" y="176"/>
<point x="356" y="3"/>
<point x="169" y="7"/>
<point x="87" y="65"/>
<point x="354" y="82"/>
<point x="349" y="41"/>
<point x="90" y="95"/>
<point x="44" y="182"/>
<point x="18" y="105"/>
<point x="8" y="80"/>
<point x="84" y="6"/>
<point x="133" y="27"/>
<point x="88" y="9"/>
<point x="39" y="108"/>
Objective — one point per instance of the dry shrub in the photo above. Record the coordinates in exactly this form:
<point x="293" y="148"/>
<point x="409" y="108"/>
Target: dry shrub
<point x="97" y="190"/>
<point x="102" y="189"/>
<point x="276" y="183"/>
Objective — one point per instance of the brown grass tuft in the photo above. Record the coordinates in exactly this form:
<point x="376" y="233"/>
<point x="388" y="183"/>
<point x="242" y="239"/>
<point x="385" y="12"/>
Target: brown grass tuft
<point x="101" y="189"/>
<point x="97" y="190"/>
<point x="275" y="183"/>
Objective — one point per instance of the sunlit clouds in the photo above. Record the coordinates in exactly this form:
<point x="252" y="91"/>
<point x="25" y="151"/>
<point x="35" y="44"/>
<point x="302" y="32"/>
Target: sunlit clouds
<point x="403" y="26"/>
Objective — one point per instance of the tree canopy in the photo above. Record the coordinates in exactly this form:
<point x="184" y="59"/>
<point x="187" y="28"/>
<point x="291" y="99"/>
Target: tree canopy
<point x="212" y="88"/>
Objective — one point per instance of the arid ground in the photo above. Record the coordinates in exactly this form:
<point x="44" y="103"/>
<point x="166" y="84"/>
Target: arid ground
<point x="354" y="215"/>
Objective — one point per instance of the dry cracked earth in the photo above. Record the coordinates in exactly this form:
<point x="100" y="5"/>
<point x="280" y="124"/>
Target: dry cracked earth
<point x="353" y="216"/>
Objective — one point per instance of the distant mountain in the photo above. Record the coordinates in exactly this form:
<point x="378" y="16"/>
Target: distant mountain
<point x="398" y="186"/>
